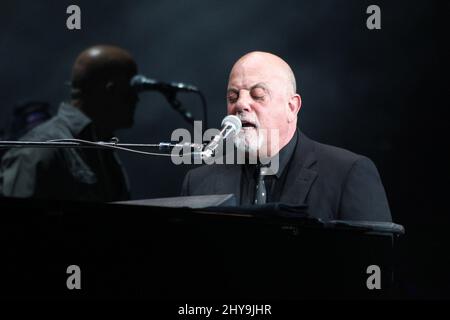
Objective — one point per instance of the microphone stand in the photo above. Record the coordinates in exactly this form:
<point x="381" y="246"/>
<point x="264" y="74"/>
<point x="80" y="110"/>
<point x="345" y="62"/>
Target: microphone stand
<point x="76" y="143"/>
<point x="171" y="97"/>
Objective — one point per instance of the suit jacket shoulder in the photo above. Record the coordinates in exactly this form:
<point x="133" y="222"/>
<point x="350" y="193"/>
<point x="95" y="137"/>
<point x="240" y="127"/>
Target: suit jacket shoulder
<point x="348" y="185"/>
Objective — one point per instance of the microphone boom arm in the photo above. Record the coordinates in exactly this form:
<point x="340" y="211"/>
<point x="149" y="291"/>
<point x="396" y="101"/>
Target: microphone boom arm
<point x="77" y="143"/>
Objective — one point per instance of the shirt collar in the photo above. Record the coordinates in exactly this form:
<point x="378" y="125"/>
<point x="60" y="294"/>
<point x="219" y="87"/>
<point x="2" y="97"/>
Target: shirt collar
<point x="74" y="118"/>
<point x="284" y="156"/>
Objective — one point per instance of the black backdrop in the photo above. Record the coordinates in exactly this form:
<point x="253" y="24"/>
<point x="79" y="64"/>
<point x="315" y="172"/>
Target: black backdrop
<point x="380" y="93"/>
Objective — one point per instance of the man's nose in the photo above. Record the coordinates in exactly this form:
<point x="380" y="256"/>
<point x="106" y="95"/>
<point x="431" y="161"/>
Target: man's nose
<point x="243" y="103"/>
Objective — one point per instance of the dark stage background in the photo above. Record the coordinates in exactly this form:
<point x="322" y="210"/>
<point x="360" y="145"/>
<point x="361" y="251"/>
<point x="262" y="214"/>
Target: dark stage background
<point x="380" y="93"/>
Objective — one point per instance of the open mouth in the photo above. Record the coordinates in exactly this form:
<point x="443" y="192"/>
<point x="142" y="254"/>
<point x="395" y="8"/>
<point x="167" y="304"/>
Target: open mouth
<point x="247" y="124"/>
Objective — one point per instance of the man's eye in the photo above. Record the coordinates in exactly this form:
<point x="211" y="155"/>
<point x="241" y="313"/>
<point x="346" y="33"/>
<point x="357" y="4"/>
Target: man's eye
<point x="258" y="97"/>
<point x="258" y="94"/>
<point x="232" y="97"/>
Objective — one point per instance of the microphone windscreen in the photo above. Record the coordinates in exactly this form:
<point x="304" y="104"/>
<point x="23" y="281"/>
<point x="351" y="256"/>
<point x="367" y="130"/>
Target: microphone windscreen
<point x="233" y="121"/>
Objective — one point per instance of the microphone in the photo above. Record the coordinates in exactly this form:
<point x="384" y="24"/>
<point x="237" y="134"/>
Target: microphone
<point x="142" y="83"/>
<point x="230" y="125"/>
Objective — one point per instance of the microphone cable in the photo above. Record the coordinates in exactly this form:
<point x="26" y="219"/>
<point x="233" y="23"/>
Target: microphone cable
<point x="111" y="145"/>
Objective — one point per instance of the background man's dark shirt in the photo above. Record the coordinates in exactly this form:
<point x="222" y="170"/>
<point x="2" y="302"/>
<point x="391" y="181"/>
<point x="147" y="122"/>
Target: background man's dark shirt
<point x="70" y="174"/>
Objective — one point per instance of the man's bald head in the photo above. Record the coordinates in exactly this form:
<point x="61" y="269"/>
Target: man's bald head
<point x="100" y="64"/>
<point x="101" y="86"/>
<point x="271" y="62"/>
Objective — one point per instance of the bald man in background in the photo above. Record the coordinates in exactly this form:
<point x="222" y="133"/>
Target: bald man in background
<point x="334" y="183"/>
<point x="102" y="102"/>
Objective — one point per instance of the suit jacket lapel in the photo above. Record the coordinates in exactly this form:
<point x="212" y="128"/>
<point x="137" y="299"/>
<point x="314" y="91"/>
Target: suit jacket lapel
<point x="301" y="172"/>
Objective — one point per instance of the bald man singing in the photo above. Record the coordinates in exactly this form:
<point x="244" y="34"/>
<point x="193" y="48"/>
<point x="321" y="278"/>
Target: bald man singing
<point x="102" y="102"/>
<point x="334" y="183"/>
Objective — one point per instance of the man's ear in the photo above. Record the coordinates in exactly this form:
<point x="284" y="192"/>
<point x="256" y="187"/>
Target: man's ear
<point x="295" y="103"/>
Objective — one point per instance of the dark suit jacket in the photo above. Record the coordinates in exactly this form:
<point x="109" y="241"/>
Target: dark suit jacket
<point x="333" y="182"/>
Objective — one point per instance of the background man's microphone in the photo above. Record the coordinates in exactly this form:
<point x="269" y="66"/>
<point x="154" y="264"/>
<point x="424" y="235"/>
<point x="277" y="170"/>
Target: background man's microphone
<point x="230" y="125"/>
<point x="142" y="83"/>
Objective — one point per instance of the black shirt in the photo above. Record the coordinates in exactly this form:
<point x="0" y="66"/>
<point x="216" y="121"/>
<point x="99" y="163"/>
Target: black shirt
<point x="274" y="183"/>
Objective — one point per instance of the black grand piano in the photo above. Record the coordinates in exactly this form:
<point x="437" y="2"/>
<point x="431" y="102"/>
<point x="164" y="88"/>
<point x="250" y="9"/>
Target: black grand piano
<point x="190" y="248"/>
